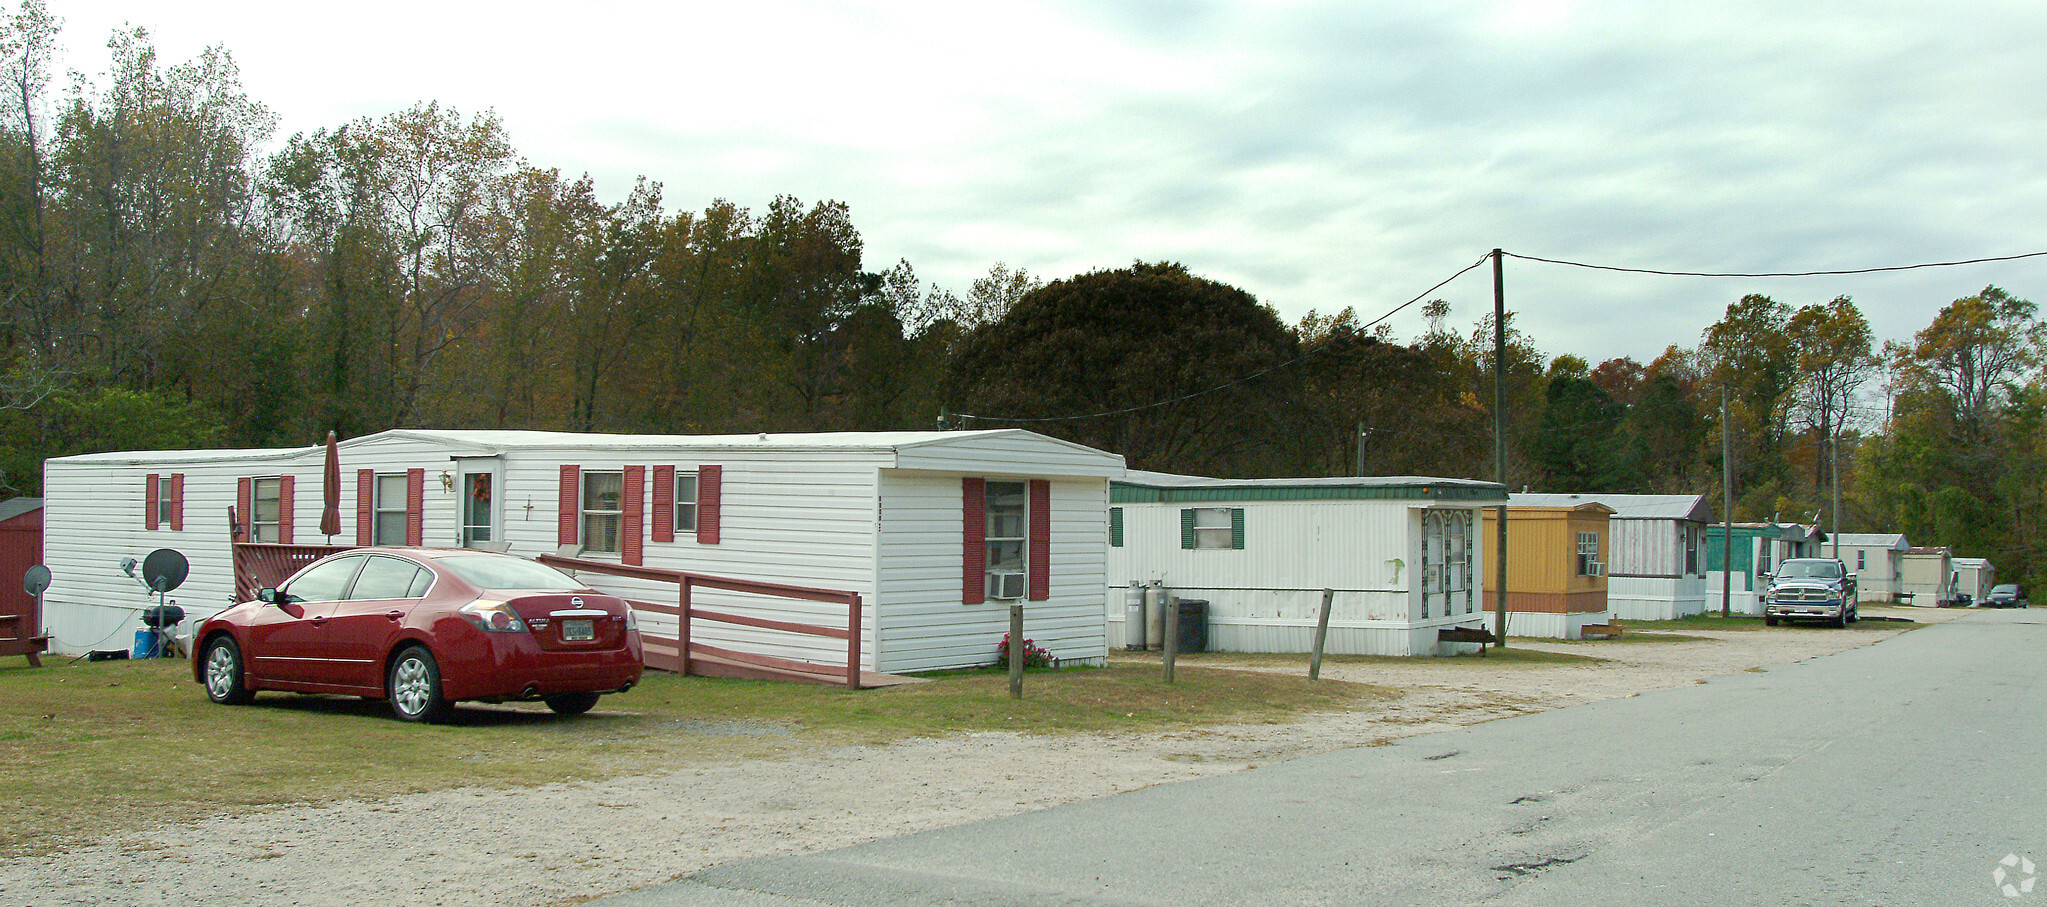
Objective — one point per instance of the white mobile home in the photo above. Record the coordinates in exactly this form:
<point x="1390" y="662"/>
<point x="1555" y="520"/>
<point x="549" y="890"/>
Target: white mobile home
<point x="1928" y="576"/>
<point x="1656" y="568"/>
<point x="936" y="531"/>
<point x="1973" y="577"/>
<point x="1399" y="553"/>
<point x="1757" y="549"/>
<point x="1878" y="561"/>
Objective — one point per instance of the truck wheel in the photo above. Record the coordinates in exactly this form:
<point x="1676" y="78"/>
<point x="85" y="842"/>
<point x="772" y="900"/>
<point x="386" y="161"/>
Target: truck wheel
<point x="1769" y="620"/>
<point x="1840" y="621"/>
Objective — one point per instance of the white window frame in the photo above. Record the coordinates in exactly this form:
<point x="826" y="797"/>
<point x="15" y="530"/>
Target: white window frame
<point x="262" y="530"/>
<point x="385" y="513"/>
<point x="1213" y="528"/>
<point x="686" y="504"/>
<point x="1588" y="553"/>
<point x="999" y="583"/>
<point x="164" y="503"/>
<point x="587" y="514"/>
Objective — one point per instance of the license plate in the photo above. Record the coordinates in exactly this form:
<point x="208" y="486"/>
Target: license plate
<point x="574" y="630"/>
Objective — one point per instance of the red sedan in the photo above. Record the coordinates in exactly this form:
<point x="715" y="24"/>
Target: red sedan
<point x="424" y="628"/>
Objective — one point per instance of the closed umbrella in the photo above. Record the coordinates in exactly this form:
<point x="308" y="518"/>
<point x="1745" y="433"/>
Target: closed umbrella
<point x="330" y="492"/>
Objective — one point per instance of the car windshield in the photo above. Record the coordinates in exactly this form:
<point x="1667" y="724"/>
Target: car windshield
<point x="1810" y="570"/>
<point x="493" y="571"/>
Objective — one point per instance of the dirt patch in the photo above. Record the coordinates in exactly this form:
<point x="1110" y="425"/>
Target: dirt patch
<point x="564" y="843"/>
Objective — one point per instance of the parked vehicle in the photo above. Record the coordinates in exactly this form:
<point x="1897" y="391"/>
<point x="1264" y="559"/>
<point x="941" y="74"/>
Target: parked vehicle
<point x="424" y="628"/>
<point x="1811" y="588"/>
<point x="2005" y="595"/>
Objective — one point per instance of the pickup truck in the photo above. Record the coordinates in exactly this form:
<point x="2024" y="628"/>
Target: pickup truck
<point x="1811" y="588"/>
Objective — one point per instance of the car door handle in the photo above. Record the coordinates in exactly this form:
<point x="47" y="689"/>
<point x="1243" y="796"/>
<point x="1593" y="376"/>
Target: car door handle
<point x="394" y="615"/>
<point x="320" y="621"/>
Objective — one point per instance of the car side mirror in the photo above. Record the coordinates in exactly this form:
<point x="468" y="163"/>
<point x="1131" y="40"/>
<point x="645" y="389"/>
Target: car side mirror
<point x="270" y="596"/>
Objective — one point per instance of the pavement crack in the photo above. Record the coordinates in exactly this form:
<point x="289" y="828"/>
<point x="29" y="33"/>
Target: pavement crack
<point x="1530" y="867"/>
<point x="1440" y="756"/>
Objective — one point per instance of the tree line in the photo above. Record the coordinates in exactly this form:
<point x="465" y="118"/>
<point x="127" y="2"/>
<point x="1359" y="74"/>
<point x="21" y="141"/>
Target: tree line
<point x="173" y="276"/>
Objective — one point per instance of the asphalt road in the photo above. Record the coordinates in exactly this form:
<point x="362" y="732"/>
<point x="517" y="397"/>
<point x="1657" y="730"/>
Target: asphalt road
<point x="1899" y="773"/>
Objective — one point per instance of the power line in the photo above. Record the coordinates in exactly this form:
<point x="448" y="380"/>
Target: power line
<point x="1835" y="273"/>
<point x="1251" y="377"/>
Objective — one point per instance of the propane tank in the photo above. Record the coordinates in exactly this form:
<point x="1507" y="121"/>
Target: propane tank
<point x="1154" y="615"/>
<point x="1133" y="617"/>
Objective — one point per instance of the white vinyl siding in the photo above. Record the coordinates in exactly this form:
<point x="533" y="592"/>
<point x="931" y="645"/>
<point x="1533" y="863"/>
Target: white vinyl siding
<point x="925" y="626"/>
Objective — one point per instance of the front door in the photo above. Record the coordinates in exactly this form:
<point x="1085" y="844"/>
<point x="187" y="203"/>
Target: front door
<point x="480" y="508"/>
<point x="293" y="642"/>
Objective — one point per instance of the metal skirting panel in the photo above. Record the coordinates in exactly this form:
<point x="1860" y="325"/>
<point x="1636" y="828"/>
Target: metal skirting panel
<point x="1551" y="625"/>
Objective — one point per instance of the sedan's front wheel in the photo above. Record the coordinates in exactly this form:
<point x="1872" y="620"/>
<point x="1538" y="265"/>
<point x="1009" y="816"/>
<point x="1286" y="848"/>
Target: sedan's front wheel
<point x="415" y="687"/>
<point x="224" y="682"/>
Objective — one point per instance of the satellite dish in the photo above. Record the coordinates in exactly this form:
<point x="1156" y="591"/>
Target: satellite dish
<point x="164" y="569"/>
<point x="36" y="580"/>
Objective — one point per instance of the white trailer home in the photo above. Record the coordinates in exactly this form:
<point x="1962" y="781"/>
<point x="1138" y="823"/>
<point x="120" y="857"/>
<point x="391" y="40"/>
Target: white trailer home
<point x="1974" y="576"/>
<point x="1878" y="561"/>
<point x="1928" y="576"/>
<point x="1399" y="553"/>
<point x="936" y="531"/>
<point x="1656" y="565"/>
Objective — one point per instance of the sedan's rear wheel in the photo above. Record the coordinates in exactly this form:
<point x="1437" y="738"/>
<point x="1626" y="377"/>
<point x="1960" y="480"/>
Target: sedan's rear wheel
<point x="224" y="681"/>
<point x="415" y="687"/>
<point x="570" y="703"/>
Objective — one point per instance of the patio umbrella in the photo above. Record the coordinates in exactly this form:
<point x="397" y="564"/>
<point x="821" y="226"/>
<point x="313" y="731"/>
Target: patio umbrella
<point x="330" y="492"/>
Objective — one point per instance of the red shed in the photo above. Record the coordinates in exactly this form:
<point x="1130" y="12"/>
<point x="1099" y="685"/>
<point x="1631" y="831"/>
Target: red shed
<point x="21" y="547"/>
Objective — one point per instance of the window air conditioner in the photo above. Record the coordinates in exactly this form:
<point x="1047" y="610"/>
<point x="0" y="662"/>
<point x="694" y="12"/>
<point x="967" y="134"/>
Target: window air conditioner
<point x="1007" y="585"/>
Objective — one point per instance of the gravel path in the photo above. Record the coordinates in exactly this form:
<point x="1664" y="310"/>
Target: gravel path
<point x="565" y="843"/>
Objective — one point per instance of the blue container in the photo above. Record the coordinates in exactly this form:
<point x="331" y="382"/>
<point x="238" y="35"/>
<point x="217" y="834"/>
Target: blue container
<point x="145" y="644"/>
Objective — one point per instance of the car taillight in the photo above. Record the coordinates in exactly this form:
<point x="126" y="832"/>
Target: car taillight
<point x="492" y="617"/>
<point x="631" y="622"/>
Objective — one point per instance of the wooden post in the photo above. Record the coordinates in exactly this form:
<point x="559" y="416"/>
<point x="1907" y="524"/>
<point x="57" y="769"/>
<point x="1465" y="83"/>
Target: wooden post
<point x="853" y="642"/>
<point x="682" y="631"/>
<point x="1726" y="511"/>
<point x="1169" y="647"/>
<point x="1016" y="651"/>
<point x="1321" y="635"/>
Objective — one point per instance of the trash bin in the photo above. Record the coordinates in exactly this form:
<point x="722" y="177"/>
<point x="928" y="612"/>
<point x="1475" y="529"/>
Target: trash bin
<point x="145" y="644"/>
<point x="1193" y="625"/>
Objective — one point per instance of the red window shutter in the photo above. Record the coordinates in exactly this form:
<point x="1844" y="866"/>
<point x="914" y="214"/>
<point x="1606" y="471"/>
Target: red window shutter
<point x="1040" y="540"/>
<point x="243" y="518"/>
<point x="365" y="507"/>
<point x="177" y="502"/>
<point x="149" y="503"/>
<point x="565" y="523"/>
<point x="974" y="534"/>
<point x="284" y="493"/>
<point x="415" y="507"/>
<point x="710" y="501"/>
<point x="664" y="503"/>
<point x="631" y="523"/>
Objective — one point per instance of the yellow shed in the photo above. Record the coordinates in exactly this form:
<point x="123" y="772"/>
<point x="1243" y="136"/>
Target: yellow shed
<point x="1556" y="568"/>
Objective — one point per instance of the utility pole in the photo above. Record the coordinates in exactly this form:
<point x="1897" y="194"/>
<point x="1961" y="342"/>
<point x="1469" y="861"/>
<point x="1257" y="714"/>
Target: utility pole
<point x="1726" y="509"/>
<point x="1834" y="464"/>
<point x="1500" y="450"/>
<point x="1361" y="448"/>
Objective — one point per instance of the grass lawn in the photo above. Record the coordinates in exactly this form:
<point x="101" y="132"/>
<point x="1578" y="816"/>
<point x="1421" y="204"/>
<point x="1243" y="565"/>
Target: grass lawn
<point x="94" y="747"/>
<point x="1509" y="657"/>
<point x="1711" y="621"/>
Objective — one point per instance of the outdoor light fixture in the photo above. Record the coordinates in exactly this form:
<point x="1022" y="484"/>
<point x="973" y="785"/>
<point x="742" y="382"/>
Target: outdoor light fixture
<point x="447" y="482"/>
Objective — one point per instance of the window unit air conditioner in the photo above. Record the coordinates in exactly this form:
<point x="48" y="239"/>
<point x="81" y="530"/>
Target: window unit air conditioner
<point x="1595" y="568"/>
<point x="1006" y="585"/>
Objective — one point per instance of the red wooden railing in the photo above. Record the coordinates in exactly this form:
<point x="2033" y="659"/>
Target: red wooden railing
<point x="730" y="662"/>
<point x="261" y="565"/>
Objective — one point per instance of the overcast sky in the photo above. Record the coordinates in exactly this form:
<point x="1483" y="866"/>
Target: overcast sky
<point x="1317" y="155"/>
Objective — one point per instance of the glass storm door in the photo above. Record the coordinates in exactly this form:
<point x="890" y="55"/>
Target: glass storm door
<point x="479" y="502"/>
